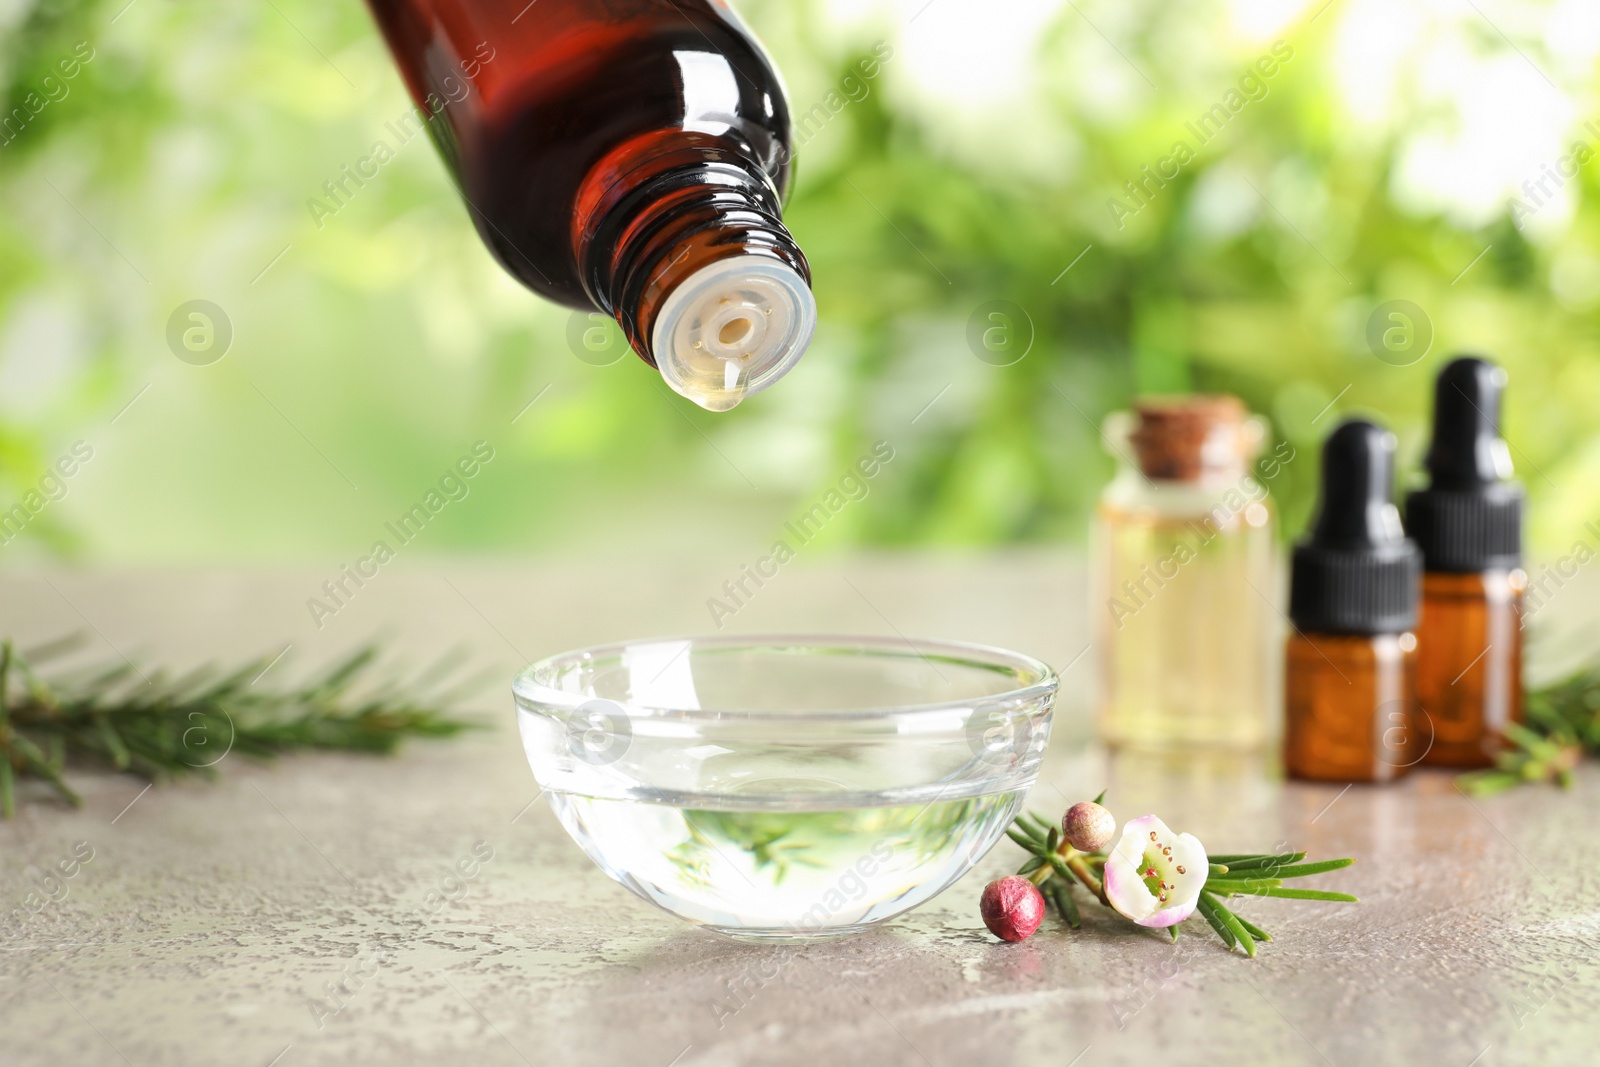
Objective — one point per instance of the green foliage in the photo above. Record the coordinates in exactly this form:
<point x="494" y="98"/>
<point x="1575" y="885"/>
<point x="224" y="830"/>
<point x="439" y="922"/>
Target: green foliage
<point x="1563" y="725"/>
<point x="161" y="728"/>
<point x="180" y="164"/>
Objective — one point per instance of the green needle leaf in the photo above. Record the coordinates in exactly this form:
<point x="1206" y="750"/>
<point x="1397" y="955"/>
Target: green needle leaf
<point x="1240" y="885"/>
<point x="1297" y="894"/>
<point x="1301" y="870"/>
<point x="6" y="653"/>
<point x="1236" y="863"/>
<point x="35" y="762"/>
<point x="1255" y="931"/>
<point x="1235" y="927"/>
<point x="1044" y="827"/>
<point x="1033" y="826"/>
<point x="1061" y="893"/>
<point x="1208" y="906"/>
<point x="114" y="746"/>
<point x="1488" y="783"/>
<point x="1025" y="841"/>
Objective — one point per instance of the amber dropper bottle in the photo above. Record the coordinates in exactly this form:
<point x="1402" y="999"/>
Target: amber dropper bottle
<point x="1349" y="674"/>
<point x="625" y="155"/>
<point x="1468" y="523"/>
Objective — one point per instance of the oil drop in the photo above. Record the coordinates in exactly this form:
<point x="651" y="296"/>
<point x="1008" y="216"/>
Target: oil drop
<point x="732" y="329"/>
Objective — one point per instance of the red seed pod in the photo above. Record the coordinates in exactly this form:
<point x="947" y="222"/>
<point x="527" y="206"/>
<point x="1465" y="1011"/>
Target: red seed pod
<point x="1088" y="827"/>
<point x="1012" y="908"/>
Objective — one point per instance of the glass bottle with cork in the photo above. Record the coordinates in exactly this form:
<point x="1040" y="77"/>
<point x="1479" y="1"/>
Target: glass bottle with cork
<point x="1350" y="667"/>
<point x="1183" y="577"/>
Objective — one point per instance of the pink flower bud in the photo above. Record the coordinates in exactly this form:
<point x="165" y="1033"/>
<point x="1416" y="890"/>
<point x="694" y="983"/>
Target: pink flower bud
<point x="1088" y="827"/>
<point x="1012" y="908"/>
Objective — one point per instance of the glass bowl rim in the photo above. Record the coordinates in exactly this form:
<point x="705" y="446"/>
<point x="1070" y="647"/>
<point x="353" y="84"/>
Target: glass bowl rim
<point x="1045" y="683"/>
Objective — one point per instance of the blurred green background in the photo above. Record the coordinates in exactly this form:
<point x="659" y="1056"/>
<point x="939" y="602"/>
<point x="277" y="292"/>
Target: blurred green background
<point x="1383" y="159"/>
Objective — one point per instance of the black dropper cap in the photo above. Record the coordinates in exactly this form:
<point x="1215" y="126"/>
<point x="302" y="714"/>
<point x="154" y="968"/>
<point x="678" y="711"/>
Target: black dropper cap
<point x="1356" y="573"/>
<point x="1470" y="517"/>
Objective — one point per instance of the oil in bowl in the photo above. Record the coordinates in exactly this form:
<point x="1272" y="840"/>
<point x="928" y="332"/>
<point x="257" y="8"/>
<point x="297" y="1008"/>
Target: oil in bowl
<point x="786" y="787"/>
<point x="762" y="872"/>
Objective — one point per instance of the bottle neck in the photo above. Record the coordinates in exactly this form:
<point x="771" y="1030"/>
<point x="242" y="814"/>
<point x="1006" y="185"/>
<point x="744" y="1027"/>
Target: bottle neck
<point x="658" y="211"/>
<point x="1184" y="445"/>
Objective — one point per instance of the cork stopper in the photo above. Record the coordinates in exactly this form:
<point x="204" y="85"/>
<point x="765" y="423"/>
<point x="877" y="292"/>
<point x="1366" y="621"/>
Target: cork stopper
<point x="1192" y="438"/>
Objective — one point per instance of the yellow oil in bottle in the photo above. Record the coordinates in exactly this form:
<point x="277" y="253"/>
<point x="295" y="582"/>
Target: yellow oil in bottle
<point x="1184" y="586"/>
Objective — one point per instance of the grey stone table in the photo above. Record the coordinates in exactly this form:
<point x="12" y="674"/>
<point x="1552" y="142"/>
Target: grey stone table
<point x="213" y="920"/>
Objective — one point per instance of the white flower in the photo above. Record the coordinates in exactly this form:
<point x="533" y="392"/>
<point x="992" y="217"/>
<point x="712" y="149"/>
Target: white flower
<point x="1154" y="876"/>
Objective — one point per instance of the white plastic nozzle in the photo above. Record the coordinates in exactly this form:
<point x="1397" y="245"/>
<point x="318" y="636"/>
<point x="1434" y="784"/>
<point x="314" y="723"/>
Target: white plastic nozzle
<point x="733" y="328"/>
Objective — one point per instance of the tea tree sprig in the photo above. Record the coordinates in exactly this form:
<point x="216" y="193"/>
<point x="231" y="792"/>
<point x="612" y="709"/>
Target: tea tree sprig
<point x="1133" y="878"/>
<point x="161" y="727"/>
<point x="1563" y="726"/>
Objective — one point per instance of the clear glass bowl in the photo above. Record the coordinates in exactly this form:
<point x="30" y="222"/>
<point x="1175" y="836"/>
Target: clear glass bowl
<point x="780" y="787"/>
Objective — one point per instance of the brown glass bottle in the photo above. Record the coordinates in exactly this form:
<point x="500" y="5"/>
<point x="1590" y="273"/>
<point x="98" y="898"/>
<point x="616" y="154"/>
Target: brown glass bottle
<point x="1349" y="673"/>
<point x="631" y="155"/>
<point x="1349" y="701"/>
<point x="1469" y="665"/>
<point x="1468" y="523"/>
